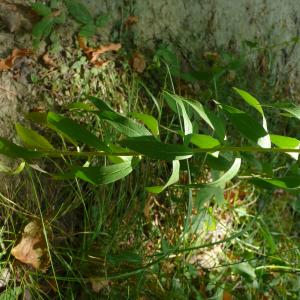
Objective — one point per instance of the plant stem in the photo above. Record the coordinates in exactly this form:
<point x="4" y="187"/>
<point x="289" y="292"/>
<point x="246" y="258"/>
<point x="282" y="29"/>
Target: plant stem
<point x="195" y="151"/>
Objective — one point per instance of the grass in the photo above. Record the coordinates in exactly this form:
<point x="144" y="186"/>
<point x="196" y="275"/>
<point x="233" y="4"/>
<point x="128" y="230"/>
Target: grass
<point x="120" y="242"/>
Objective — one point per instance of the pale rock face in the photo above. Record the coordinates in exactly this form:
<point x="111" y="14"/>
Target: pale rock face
<point x="195" y="26"/>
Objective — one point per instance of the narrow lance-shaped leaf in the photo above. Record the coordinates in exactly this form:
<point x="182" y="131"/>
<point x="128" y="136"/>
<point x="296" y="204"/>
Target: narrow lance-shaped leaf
<point x="42" y="119"/>
<point x="209" y="117"/>
<point x="203" y="141"/>
<point x="122" y="124"/>
<point x="293" y="111"/>
<point x="101" y="175"/>
<point x="264" y="141"/>
<point x="151" y="148"/>
<point x="247" y="125"/>
<point x="287" y="183"/>
<point x="286" y="142"/>
<point x="227" y="176"/>
<point x="176" y="103"/>
<point x="173" y="179"/>
<point x="149" y="121"/>
<point x="75" y="131"/>
<point x="12" y="150"/>
<point x="12" y="171"/>
<point x="32" y="139"/>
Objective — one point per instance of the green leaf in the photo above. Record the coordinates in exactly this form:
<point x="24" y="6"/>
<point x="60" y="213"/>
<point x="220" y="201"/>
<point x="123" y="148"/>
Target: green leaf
<point x="203" y="141"/>
<point x="151" y="148"/>
<point x="12" y="150"/>
<point x="81" y="106"/>
<point x="293" y="111"/>
<point x="102" y="20"/>
<point x="107" y="174"/>
<point x="245" y="269"/>
<point x="227" y="176"/>
<point x="173" y="179"/>
<point x="32" y="139"/>
<point x="268" y="237"/>
<point x="170" y="58"/>
<point x="60" y="19"/>
<point x="149" y="121"/>
<point x="264" y="142"/>
<point x="75" y="131"/>
<point x="11" y="293"/>
<point x="213" y="121"/>
<point x="12" y="171"/>
<point x="247" y="125"/>
<point x="218" y="163"/>
<point x="37" y="117"/>
<point x="88" y="30"/>
<point x="122" y="124"/>
<point x="42" y="29"/>
<point x="250" y="100"/>
<point x="79" y="11"/>
<point x="288" y="183"/>
<point x="175" y="102"/>
<point x="286" y="142"/>
<point x="41" y="9"/>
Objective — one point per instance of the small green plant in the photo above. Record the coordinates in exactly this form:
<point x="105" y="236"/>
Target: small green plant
<point x="138" y="142"/>
<point x="81" y="14"/>
<point x="50" y="16"/>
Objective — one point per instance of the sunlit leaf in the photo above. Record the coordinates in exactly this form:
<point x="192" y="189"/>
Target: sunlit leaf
<point x="203" y="141"/>
<point x="173" y="179"/>
<point x="149" y="121"/>
<point x="32" y="139"/>
<point x="289" y="182"/>
<point x="264" y="141"/>
<point x="212" y="120"/>
<point x="286" y="142"/>
<point x="176" y="103"/>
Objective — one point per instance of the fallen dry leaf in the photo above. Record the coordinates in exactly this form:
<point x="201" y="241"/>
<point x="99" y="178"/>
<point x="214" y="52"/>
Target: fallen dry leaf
<point x="94" y="54"/>
<point x="131" y="20"/>
<point x="7" y="63"/>
<point x="138" y="62"/>
<point x="32" y="247"/>
<point x="98" y="284"/>
<point x="227" y="296"/>
<point x="48" y="61"/>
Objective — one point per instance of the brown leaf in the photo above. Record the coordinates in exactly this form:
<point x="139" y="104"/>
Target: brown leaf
<point x="227" y="296"/>
<point x="131" y="20"/>
<point x="8" y="62"/>
<point x="94" y="54"/>
<point x="32" y="247"/>
<point x="48" y="61"/>
<point x="138" y="62"/>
